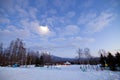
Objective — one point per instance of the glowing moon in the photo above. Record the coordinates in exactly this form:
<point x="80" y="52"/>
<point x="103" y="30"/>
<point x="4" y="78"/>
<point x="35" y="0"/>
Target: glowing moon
<point x="44" y="30"/>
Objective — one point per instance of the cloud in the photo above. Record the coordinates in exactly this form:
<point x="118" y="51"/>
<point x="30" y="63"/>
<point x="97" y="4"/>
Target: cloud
<point x="32" y="12"/>
<point x="25" y="17"/>
<point x="12" y="32"/>
<point x="87" y="3"/>
<point x="115" y="3"/>
<point x="59" y="39"/>
<point x="75" y="42"/>
<point x="35" y="28"/>
<point x="68" y="30"/>
<point x="101" y="21"/>
<point x="52" y="11"/>
<point x="7" y="5"/>
<point x="63" y="4"/>
<point x="86" y="17"/>
<point x="23" y="13"/>
<point x="95" y="23"/>
<point x="4" y="20"/>
<point x="78" y="41"/>
<point x="71" y="30"/>
<point x="41" y="4"/>
<point x="19" y="9"/>
<point x="29" y="30"/>
<point x="70" y="14"/>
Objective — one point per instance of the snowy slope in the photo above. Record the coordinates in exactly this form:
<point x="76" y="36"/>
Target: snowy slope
<point x="72" y="72"/>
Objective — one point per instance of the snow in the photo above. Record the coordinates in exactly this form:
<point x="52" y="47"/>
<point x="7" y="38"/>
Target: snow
<point x="72" y="72"/>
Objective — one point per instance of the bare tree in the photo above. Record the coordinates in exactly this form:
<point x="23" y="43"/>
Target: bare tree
<point x="47" y="57"/>
<point x="103" y="58"/>
<point x="87" y="53"/>
<point x="103" y="52"/>
<point x="84" y="55"/>
<point x="80" y="53"/>
<point x="17" y="52"/>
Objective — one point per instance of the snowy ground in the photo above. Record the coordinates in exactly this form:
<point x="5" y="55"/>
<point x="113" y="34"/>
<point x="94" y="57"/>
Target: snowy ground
<point x="72" y="72"/>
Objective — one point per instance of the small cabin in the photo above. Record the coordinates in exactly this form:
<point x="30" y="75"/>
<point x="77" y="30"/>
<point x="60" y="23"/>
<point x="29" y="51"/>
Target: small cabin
<point x="67" y="63"/>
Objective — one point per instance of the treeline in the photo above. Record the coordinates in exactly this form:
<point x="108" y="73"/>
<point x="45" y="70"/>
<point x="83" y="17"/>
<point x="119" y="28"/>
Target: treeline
<point x="17" y="53"/>
<point x="110" y="61"/>
<point x="84" y="57"/>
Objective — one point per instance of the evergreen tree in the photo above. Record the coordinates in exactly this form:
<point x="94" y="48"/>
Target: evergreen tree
<point x="111" y="61"/>
<point x="37" y="62"/>
<point x="102" y="61"/>
<point x="1" y="54"/>
<point x="117" y="58"/>
<point x="41" y="61"/>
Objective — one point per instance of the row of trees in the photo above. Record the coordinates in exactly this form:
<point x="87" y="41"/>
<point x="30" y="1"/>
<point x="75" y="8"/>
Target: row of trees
<point x="84" y="57"/>
<point x="110" y="61"/>
<point x="17" y="53"/>
<point x="43" y="58"/>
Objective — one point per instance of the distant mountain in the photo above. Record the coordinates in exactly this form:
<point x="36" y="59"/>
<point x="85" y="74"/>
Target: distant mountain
<point x="73" y="60"/>
<point x="60" y="59"/>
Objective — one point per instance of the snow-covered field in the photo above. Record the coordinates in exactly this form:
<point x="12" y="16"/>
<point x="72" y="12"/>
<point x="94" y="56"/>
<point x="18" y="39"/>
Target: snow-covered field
<point x="72" y="72"/>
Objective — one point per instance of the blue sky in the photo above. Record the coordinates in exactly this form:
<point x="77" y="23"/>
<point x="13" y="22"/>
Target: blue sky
<point x="62" y="26"/>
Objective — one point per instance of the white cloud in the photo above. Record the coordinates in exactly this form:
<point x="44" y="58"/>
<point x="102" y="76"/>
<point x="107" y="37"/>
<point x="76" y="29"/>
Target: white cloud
<point x="52" y="11"/>
<point x="32" y="12"/>
<point x="87" y="3"/>
<point x="59" y="39"/>
<point x="100" y="22"/>
<point x="35" y="28"/>
<point x="115" y="3"/>
<point x="75" y="42"/>
<point x="80" y="41"/>
<point x="64" y="4"/>
<point x="71" y="30"/>
<point x="41" y="4"/>
<point x="7" y="5"/>
<point x="85" y="18"/>
<point x="71" y="14"/>
<point x="68" y="30"/>
<point x="4" y="20"/>
<point x="23" y="13"/>
<point x="94" y="22"/>
<point x="18" y="9"/>
<point x="11" y="32"/>
<point x="28" y="30"/>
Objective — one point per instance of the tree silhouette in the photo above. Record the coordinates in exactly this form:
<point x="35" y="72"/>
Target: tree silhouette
<point x="1" y="54"/>
<point x="37" y="62"/>
<point x="111" y="61"/>
<point x="79" y="55"/>
<point x="41" y="61"/>
<point x="117" y="56"/>
<point x="102" y="60"/>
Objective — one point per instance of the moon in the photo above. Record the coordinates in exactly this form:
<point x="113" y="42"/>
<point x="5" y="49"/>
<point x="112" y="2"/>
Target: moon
<point x="44" y="29"/>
